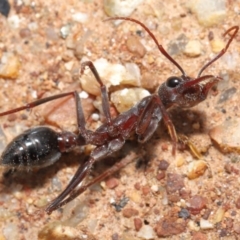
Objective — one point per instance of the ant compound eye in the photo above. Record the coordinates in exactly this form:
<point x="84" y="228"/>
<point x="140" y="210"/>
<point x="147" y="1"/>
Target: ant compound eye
<point x="173" y="82"/>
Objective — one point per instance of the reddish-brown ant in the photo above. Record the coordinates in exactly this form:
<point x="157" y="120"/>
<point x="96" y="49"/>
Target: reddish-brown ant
<point x="42" y="146"/>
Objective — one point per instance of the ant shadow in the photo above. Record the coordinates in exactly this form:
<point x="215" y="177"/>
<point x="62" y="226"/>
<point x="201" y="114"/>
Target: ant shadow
<point x="185" y="119"/>
<point x="187" y="122"/>
<point x="36" y="178"/>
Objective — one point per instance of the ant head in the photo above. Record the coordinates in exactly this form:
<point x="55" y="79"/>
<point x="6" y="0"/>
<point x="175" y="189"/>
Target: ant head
<point x="184" y="91"/>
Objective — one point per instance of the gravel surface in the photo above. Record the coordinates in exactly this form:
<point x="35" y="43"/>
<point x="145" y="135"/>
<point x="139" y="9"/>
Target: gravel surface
<point x="42" y="46"/>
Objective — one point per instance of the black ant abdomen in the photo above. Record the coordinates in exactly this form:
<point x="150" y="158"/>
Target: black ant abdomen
<point x="37" y="147"/>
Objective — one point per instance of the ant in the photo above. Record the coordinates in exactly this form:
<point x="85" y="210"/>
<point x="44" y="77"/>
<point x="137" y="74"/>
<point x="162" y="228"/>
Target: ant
<point x="42" y="146"/>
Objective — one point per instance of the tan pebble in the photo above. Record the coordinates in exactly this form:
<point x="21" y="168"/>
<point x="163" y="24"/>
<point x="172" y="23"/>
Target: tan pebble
<point x="176" y="23"/>
<point x="18" y="195"/>
<point x="10" y="66"/>
<point x="193" y="48"/>
<point x="55" y="230"/>
<point x="217" y="45"/>
<point x="41" y="202"/>
<point x="135" y="46"/>
<point x="180" y="161"/>
<point x="227" y="136"/>
<point x="126" y="98"/>
<point x="209" y="13"/>
<point x="135" y="197"/>
<point x="196" y="169"/>
<point x="193" y="226"/>
<point x="29" y="200"/>
<point x="150" y="59"/>
<point x="219" y="215"/>
<point x="111" y="75"/>
<point x="103" y="185"/>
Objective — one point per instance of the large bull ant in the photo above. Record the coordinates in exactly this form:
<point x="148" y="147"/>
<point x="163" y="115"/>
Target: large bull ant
<point x="41" y="146"/>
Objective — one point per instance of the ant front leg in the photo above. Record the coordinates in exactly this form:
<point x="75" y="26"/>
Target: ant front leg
<point x="148" y="121"/>
<point x="105" y="100"/>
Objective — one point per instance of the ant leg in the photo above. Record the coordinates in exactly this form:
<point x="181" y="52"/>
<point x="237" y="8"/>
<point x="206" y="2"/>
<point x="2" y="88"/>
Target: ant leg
<point x="116" y="167"/>
<point x="168" y="122"/>
<point x="105" y="100"/>
<point x="184" y="139"/>
<point x="81" y="173"/>
<point x="148" y="120"/>
<point x="83" y="170"/>
<point x="37" y="103"/>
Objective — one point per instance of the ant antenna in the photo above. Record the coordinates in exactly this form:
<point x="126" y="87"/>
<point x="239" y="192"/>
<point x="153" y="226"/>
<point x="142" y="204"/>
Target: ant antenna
<point x="160" y="47"/>
<point x="235" y="28"/>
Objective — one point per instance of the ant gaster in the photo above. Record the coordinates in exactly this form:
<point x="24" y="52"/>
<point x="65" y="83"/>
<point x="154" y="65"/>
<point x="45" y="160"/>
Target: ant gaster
<point x="42" y="146"/>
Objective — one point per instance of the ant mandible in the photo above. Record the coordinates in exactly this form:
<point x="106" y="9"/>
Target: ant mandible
<point x="42" y="146"/>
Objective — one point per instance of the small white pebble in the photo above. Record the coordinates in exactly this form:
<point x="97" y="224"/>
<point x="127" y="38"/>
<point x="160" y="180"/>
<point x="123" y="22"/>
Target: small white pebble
<point x="34" y="94"/>
<point x="65" y="30"/>
<point x="112" y="200"/>
<point x="103" y="184"/>
<point x="33" y="26"/>
<point x="120" y="7"/>
<point x="205" y="224"/>
<point x="124" y="92"/>
<point x="80" y="17"/>
<point x="10" y="231"/>
<point x="146" y="232"/>
<point x="154" y="188"/>
<point x="14" y="21"/>
<point x="83" y="95"/>
<point x="95" y="117"/>
<point x="69" y="65"/>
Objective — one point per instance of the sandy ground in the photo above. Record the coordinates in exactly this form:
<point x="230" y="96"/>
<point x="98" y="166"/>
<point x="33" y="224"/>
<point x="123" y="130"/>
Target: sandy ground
<point x="161" y="199"/>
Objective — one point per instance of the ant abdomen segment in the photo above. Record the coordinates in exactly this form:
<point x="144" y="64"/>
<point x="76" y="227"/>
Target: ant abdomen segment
<point x="37" y="147"/>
